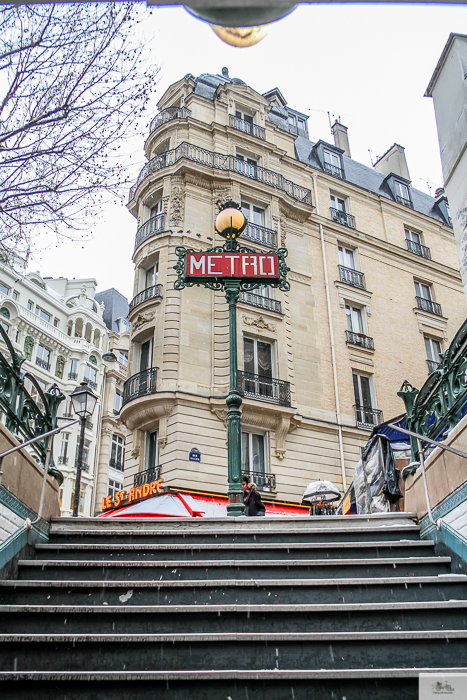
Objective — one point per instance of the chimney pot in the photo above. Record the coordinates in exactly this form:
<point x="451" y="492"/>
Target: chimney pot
<point x="341" y="139"/>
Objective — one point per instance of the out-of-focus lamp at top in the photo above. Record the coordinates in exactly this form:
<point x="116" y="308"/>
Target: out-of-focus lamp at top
<point x="240" y="37"/>
<point x="230" y="221"/>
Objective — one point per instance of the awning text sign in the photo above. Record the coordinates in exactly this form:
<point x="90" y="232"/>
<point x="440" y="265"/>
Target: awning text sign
<point x="232" y="265"/>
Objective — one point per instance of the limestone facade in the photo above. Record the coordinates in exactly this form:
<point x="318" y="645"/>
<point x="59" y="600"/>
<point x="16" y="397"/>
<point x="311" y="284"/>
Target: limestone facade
<point x="343" y="339"/>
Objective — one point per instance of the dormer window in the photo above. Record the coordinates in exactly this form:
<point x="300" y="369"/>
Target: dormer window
<point x="333" y="164"/>
<point x="402" y="194"/>
<point x="443" y="207"/>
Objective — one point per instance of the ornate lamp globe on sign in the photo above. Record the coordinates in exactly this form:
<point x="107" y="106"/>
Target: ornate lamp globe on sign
<point x="84" y="401"/>
<point x="230" y="221"/>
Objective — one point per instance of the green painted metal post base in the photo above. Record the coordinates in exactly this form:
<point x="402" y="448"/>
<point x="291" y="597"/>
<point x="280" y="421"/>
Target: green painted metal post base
<point x="235" y="505"/>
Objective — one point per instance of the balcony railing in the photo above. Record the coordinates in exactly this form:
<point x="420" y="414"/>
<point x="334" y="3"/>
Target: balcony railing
<point x="73" y="376"/>
<point x="253" y="386"/>
<point x="149" y="293"/>
<point x="429" y="305"/>
<point x="167" y="115"/>
<point x="150" y="228"/>
<point x="260" y="234"/>
<point x="333" y="170"/>
<point x="140" y="384"/>
<point x="116" y="464"/>
<point x="264" y="482"/>
<point x="42" y="363"/>
<point x="260" y="302"/>
<point x="360" y="339"/>
<point x="433" y="366"/>
<point x="367" y="417"/>
<point x="404" y="201"/>
<point x="341" y="217"/>
<point x="84" y="466"/>
<point x="418" y="249"/>
<point x="90" y="382"/>
<point x="62" y="460"/>
<point x="146" y="476"/>
<point x="352" y="277"/>
<point x="220" y="161"/>
<point x="247" y="127"/>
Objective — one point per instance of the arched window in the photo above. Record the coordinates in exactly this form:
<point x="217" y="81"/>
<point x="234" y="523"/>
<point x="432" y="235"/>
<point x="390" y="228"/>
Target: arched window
<point x="4" y="312"/>
<point x="92" y="360"/>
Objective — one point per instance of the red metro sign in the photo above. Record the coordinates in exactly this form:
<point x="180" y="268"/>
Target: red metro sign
<point x="232" y="265"/>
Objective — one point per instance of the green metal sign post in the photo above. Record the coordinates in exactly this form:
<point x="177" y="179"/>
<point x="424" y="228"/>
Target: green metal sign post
<point x="234" y="269"/>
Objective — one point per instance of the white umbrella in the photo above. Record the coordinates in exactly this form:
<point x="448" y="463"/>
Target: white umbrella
<point x="321" y="492"/>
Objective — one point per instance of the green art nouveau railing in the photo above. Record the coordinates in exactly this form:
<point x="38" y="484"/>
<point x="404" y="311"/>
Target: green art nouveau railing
<point x="25" y="417"/>
<point x="442" y="401"/>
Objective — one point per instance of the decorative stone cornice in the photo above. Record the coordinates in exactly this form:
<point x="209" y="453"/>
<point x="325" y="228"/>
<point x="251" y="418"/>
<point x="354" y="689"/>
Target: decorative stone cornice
<point x="259" y="323"/>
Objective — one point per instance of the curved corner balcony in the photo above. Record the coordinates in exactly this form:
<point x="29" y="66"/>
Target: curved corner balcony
<point x="166" y="115"/>
<point x="220" y="161"/>
<point x="140" y="384"/>
<point x="154" y="225"/>
<point x="149" y="293"/>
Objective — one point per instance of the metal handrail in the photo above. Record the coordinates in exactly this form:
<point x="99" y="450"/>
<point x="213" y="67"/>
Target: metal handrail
<point x="442" y="446"/>
<point x="35" y="439"/>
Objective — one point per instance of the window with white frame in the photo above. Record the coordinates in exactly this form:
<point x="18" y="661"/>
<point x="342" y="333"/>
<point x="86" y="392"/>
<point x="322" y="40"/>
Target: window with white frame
<point x="338" y="203"/>
<point x="365" y="400"/>
<point x="254" y="456"/>
<point x="43" y="314"/>
<point x="423" y="291"/>
<point x="14" y="295"/>
<point x="118" y="401"/>
<point x="5" y="326"/>
<point x="402" y="193"/>
<point x="332" y="163"/>
<point x="117" y="452"/>
<point x="151" y="274"/>
<point x="433" y="352"/>
<point x="90" y="376"/>
<point x="86" y="450"/>
<point x="355" y="319"/>
<point x="253" y="214"/>
<point x="413" y="236"/>
<point x="114" y="487"/>
<point x="156" y="209"/>
<point x="247" y="165"/>
<point x="63" y="457"/>
<point x="4" y="289"/>
<point x="145" y="357"/>
<point x="258" y="357"/>
<point x="43" y="357"/>
<point x="123" y="357"/>
<point x="246" y="120"/>
<point x="348" y="257"/>
<point x="152" y="451"/>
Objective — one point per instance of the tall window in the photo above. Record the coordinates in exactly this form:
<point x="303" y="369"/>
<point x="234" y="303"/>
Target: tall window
<point x="43" y="357"/>
<point x="3" y="288"/>
<point x="86" y="450"/>
<point x="90" y="376"/>
<point x="246" y="166"/>
<point x="73" y="370"/>
<point x="332" y="163"/>
<point x="145" y="360"/>
<point x="253" y="214"/>
<point x="150" y="279"/>
<point x="257" y="357"/>
<point x="423" y="291"/>
<point x="338" y="203"/>
<point x="113" y="487"/>
<point x="413" y="236"/>
<point x="402" y="191"/>
<point x="117" y="452"/>
<point x="43" y="314"/>
<point x="364" y="400"/>
<point x="63" y="458"/>
<point x="156" y="209"/>
<point x="123" y="357"/>
<point x="354" y="319"/>
<point x="152" y="457"/>
<point x="433" y="352"/>
<point x="347" y="257"/>
<point x="118" y="401"/>
<point x="247" y="125"/>
<point x="254" y="456"/>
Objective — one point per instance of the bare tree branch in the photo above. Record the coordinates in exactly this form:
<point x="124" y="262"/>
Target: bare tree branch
<point x="72" y="83"/>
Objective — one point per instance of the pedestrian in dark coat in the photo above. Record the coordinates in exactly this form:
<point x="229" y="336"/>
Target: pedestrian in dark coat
<point x="254" y="506"/>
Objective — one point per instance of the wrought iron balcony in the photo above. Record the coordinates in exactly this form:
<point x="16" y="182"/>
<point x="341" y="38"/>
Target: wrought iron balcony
<point x="149" y="293"/>
<point x="62" y="460"/>
<point x="166" y="115"/>
<point x="253" y="386"/>
<point x="433" y="366"/>
<point x="140" y="384"/>
<point x="264" y="482"/>
<point x="368" y="417"/>
<point x="84" y="466"/>
<point x="341" y="217"/>
<point x="116" y="464"/>
<point x="352" y="277"/>
<point x="333" y="170"/>
<point x="150" y="228"/>
<point x="42" y="363"/>
<point x="73" y="376"/>
<point x="404" y="201"/>
<point x="247" y="127"/>
<point x="90" y="382"/>
<point x="260" y="301"/>
<point x="146" y="476"/>
<point x="360" y="339"/>
<point x="418" y="249"/>
<point x="260" y="234"/>
<point x="429" y="305"/>
<point x="221" y="161"/>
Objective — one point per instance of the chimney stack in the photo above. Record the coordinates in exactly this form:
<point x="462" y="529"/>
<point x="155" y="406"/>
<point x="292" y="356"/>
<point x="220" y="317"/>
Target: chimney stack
<point x="393" y="161"/>
<point x="341" y="139"/>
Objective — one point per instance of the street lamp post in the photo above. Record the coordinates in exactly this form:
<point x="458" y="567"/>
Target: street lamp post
<point x="232" y="268"/>
<point x="84" y="401"/>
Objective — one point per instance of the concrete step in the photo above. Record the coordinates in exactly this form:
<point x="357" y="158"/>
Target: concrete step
<point x="252" y="534"/>
<point x="173" y="570"/>
<point x="237" y="651"/>
<point x="227" y="551"/>
<point x="252" y="592"/>
<point x="213" y="619"/>
<point x="302" y="684"/>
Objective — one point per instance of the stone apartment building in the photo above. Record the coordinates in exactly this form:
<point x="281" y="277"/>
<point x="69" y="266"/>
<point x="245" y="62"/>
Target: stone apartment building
<point x="375" y="293"/>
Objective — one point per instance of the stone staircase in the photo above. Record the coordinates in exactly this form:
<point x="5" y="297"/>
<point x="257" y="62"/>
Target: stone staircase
<point x="231" y="609"/>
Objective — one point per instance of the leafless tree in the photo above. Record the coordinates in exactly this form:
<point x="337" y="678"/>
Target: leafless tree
<point x="74" y="82"/>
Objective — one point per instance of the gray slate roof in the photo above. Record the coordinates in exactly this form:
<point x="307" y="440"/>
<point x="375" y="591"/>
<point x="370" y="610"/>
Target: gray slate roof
<point x="356" y="173"/>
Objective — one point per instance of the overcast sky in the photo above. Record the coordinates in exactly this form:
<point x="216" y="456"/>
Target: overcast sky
<point x="369" y="65"/>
